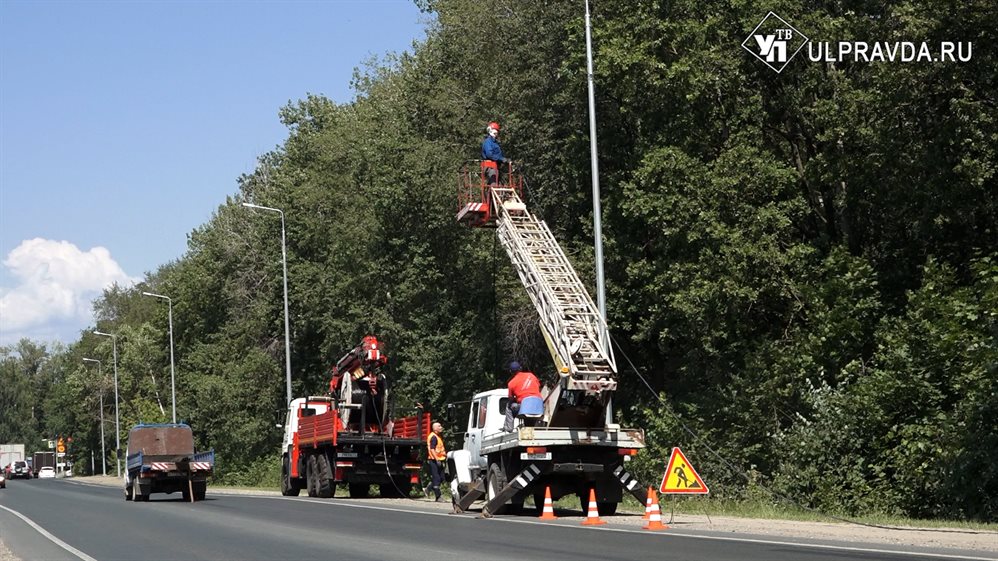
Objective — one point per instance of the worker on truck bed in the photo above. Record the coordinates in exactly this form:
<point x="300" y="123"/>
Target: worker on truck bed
<point x="524" y="395"/>
<point x="436" y="455"/>
<point x="492" y="154"/>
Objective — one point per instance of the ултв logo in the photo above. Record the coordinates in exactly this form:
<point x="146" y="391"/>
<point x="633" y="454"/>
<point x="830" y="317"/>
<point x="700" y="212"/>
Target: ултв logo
<point x="775" y="42"/>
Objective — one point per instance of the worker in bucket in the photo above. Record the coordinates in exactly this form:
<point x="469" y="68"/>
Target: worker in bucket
<point x="436" y="457"/>
<point x="492" y="154"/>
<point x="524" y="395"/>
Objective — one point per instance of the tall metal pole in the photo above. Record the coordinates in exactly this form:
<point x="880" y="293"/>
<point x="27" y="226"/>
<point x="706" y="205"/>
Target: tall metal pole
<point x="173" y="377"/>
<point x="103" y="451"/>
<point x="597" y="211"/>
<point x="117" y="425"/>
<point x="287" y="328"/>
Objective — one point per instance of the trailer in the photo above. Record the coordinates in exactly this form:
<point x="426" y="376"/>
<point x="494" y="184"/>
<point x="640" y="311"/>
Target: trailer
<point x="161" y="459"/>
<point x="347" y="439"/>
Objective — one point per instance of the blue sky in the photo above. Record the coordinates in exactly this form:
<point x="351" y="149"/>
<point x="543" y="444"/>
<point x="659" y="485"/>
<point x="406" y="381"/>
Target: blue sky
<point x="123" y="125"/>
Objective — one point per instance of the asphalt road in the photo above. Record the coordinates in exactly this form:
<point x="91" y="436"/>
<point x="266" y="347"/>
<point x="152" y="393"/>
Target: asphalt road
<point x="89" y="522"/>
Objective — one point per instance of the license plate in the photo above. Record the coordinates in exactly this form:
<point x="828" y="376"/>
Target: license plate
<point x="542" y="456"/>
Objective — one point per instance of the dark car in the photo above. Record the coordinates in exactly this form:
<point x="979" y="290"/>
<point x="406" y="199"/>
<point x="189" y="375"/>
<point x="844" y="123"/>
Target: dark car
<point x="20" y="470"/>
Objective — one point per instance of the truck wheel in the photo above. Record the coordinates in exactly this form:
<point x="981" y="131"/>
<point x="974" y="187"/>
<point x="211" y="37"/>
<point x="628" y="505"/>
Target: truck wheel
<point x="200" y="490"/>
<point x="186" y="494"/>
<point x="137" y="494"/>
<point x="325" y="486"/>
<point x="606" y="509"/>
<point x="496" y="483"/>
<point x="312" y="472"/>
<point x="288" y="488"/>
<point x="128" y="491"/>
<point x="539" y="502"/>
<point x="359" y="490"/>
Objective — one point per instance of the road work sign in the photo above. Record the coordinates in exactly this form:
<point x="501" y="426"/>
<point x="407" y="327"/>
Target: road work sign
<point x="681" y="478"/>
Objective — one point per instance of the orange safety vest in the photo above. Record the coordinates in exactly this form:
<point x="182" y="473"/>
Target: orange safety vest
<point x="438" y="452"/>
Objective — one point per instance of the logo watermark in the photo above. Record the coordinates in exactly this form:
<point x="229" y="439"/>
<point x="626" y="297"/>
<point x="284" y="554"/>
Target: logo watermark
<point x="775" y="42"/>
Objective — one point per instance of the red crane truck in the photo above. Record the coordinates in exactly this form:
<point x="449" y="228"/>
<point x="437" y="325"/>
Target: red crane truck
<point x="347" y="438"/>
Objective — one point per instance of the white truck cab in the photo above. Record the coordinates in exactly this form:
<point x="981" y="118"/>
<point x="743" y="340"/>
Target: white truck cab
<point x="485" y="419"/>
<point x="298" y="409"/>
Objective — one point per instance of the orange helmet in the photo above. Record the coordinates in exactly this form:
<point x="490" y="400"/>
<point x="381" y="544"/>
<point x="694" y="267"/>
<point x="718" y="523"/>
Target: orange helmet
<point x="494" y="125"/>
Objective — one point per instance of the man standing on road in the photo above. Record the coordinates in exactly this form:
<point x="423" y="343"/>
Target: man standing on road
<point x="524" y="395"/>
<point x="436" y="456"/>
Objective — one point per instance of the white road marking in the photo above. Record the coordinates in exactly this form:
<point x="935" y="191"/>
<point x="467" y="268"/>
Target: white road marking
<point x="48" y="535"/>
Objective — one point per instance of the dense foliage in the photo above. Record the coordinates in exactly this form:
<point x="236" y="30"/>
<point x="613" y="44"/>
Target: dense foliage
<point x="802" y="264"/>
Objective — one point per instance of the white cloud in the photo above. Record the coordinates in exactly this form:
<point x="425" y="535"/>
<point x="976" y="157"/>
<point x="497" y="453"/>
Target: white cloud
<point x="56" y="283"/>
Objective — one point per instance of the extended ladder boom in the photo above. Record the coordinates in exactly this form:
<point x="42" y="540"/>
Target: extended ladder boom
<point x="569" y="319"/>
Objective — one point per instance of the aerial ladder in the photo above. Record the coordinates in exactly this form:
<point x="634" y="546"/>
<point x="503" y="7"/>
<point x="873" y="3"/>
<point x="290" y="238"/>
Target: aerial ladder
<point x="572" y="326"/>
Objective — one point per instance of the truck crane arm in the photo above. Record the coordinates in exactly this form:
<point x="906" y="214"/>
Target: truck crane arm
<point x="571" y="323"/>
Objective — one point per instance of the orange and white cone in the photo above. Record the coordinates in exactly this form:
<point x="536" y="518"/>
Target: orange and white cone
<point x="592" y="517"/>
<point x="653" y="513"/>
<point x="548" y="513"/>
<point x="648" y="504"/>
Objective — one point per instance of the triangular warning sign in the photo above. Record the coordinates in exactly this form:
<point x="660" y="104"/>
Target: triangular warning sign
<point x="680" y="477"/>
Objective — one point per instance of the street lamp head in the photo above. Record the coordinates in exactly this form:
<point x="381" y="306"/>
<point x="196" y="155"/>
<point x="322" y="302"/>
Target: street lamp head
<point x="261" y="207"/>
<point x="91" y="360"/>
<point x="95" y="332"/>
<point x="156" y="295"/>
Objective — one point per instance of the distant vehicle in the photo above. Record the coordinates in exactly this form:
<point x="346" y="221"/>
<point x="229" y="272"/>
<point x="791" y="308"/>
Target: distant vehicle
<point x="47" y="472"/>
<point x="9" y="453"/>
<point x="21" y="470"/>
<point x="41" y="459"/>
<point x="161" y="459"/>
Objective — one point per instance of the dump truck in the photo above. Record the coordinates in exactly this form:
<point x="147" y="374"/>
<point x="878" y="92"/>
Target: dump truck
<point x="40" y="460"/>
<point x="161" y="459"/>
<point x="574" y="446"/>
<point x="348" y="438"/>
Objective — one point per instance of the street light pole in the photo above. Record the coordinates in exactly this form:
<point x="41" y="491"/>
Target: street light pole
<point x="173" y="386"/>
<point x="103" y="452"/>
<point x="597" y="212"/>
<point x="287" y="330"/>
<point x="117" y="426"/>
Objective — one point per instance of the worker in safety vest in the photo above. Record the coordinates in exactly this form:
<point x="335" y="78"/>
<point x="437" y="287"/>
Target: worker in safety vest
<point x="524" y="395"/>
<point x="436" y="456"/>
<point x="492" y="154"/>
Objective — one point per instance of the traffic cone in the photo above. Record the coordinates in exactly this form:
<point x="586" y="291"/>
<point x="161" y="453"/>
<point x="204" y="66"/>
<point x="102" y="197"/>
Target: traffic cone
<point x="592" y="517"/>
<point x="648" y="504"/>
<point x="653" y="513"/>
<point x="548" y="512"/>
